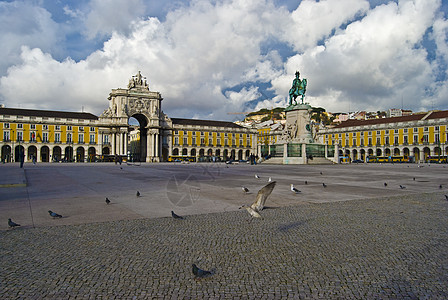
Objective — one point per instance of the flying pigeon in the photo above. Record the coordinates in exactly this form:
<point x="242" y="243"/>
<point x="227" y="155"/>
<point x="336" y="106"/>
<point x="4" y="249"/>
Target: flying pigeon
<point x="199" y="272"/>
<point x="54" y="215"/>
<point x="107" y="200"/>
<point x="12" y="224"/>
<point x="324" y="185"/>
<point x="252" y="212"/>
<point x="259" y="202"/>
<point x="245" y="189"/>
<point x="176" y="216"/>
<point x="385" y="184"/>
<point x="256" y="176"/>
<point x="293" y="189"/>
<point x="138" y="194"/>
<point x="402" y="186"/>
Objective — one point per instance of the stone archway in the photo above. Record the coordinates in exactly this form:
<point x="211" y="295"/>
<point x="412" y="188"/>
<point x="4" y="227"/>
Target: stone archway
<point x="136" y="101"/>
<point x="406" y="152"/>
<point x="45" y="154"/>
<point x="355" y="154"/>
<point x="57" y="153"/>
<point x="32" y="152"/>
<point x="68" y="154"/>
<point x="91" y="154"/>
<point x="416" y="153"/>
<point x="426" y="153"/>
<point x="18" y="152"/>
<point x="6" y="153"/>
<point x="363" y="154"/>
<point x="139" y="138"/>
<point x="80" y="154"/>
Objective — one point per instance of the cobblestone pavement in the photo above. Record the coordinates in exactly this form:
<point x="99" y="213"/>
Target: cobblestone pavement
<point x="393" y="247"/>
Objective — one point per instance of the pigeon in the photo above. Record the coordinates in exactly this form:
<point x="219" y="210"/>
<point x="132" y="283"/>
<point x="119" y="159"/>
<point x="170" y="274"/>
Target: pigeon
<point x="385" y="184"/>
<point x="293" y="189"/>
<point x="199" y="272"/>
<point x="413" y="178"/>
<point x="256" y="176"/>
<point x="306" y="182"/>
<point x="270" y="179"/>
<point x="402" y="186"/>
<point x="440" y="186"/>
<point x="176" y="216"/>
<point x="107" y="200"/>
<point x="324" y="185"/>
<point x="12" y="224"/>
<point x="54" y="215"/>
<point x="138" y="194"/>
<point x="446" y="197"/>
<point x="259" y="202"/>
<point x="245" y="189"/>
<point x="252" y="212"/>
<point x="321" y="173"/>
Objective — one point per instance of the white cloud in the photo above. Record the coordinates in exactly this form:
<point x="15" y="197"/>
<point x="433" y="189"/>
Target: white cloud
<point x="22" y="23"/>
<point x="313" y="21"/>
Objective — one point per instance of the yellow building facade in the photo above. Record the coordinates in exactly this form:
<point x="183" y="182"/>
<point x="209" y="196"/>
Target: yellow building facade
<point x="417" y="137"/>
<point x="48" y="135"/>
<point x="211" y="140"/>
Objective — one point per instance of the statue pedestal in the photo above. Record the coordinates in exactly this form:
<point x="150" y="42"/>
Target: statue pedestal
<point x="298" y="123"/>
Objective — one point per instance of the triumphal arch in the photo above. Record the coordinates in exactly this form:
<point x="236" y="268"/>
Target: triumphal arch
<point x="144" y="105"/>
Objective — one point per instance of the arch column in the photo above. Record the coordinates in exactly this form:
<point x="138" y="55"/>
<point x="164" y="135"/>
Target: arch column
<point x="114" y="140"/>
<point x="38" y="158"/>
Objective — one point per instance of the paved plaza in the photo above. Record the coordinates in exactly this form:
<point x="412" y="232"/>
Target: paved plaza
<point x="355" y="238"/>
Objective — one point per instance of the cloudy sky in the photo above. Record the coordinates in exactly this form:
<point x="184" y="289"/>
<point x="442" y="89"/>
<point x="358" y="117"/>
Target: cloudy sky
<point x="211" y="58"/>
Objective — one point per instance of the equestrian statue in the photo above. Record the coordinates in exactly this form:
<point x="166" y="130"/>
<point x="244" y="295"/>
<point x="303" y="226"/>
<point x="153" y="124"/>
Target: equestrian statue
<point x="298" y="89"/>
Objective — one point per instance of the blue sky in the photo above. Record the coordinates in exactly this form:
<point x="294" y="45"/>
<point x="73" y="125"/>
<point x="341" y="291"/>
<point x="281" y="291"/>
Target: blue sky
<point x="209" y="58"/>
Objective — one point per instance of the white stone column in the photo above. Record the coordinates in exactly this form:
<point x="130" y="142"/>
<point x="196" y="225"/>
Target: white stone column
<point x="304" y="160"/>
<point x="113" y="143"/>
<point x="336" y="153"/>
<point x="149" y="147"/>
<point x="38" y="158"/>
<point x="126" y="139"/>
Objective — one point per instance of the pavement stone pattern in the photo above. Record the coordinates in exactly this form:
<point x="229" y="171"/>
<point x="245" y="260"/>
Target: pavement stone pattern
<point x="354" y="239"/>
<point x="379" y="248"/>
